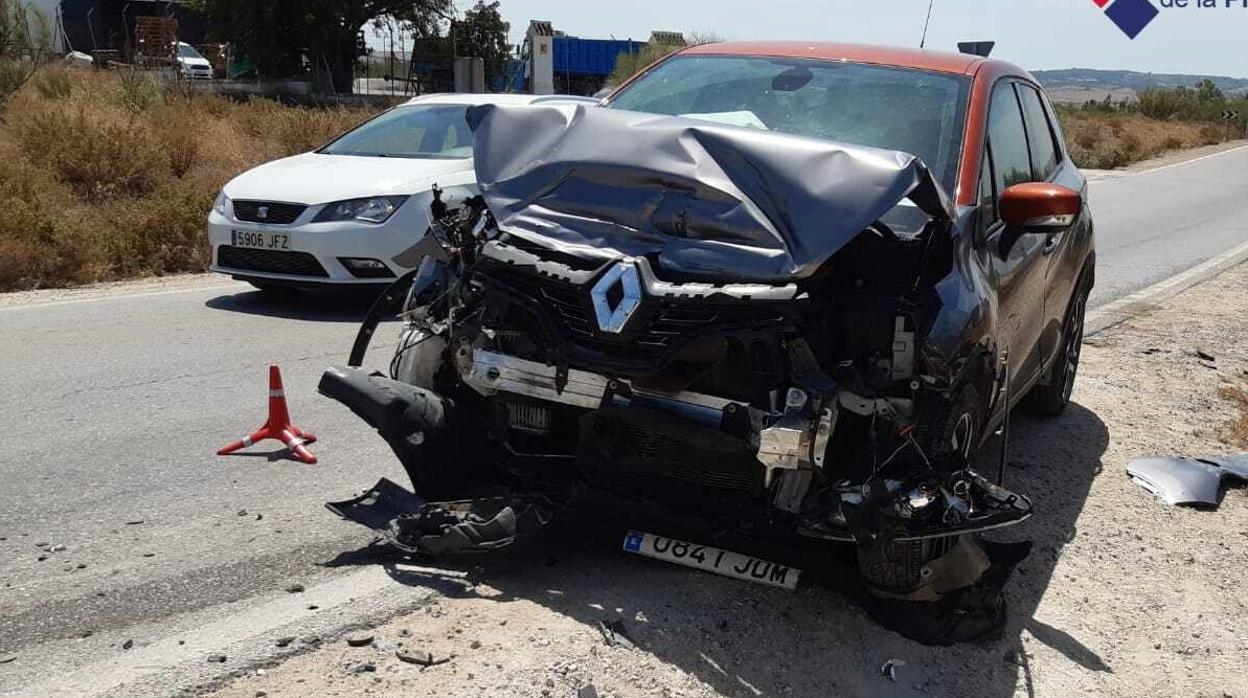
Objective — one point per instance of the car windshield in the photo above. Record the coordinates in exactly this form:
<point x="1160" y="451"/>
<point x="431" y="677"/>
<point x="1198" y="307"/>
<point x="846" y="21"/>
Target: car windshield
<point x="186" y="51"/>
<point x="437" y="131"/>
<point x="914" y="111"/>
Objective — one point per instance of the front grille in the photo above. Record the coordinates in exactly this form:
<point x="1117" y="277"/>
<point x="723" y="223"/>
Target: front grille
<point x="655" y="328"/>
<point x="274" y="212"/>
<point x="271" y="261"/>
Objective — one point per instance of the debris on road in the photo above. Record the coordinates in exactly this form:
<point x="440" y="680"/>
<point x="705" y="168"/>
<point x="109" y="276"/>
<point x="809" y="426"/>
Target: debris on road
<point x="127" y="644"/>
<point x="1188" y="481"/>
<point x="889" y="670"/>
<point x="6" y="658"/>
<point x="136" y="522"/>
<point x="615" y="633"/>
<point x="363" y="668"/>
<point x="587" y="691"/>
<point x="284" y="641"/>
<point x="360" y="638"/>
<point x="419" y="657"/>
<point x="57" y="548"/>
<point x="295" y="589"/>
<point x="216" y="659"/>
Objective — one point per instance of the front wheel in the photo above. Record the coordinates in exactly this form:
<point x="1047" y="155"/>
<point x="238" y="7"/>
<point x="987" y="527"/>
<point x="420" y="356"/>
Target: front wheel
<point x="1052" y="398"/>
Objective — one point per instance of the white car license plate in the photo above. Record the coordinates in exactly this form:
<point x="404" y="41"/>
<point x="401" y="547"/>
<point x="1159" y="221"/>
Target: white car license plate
<point x="260" y="241"/>
<point x="702" y="557"/>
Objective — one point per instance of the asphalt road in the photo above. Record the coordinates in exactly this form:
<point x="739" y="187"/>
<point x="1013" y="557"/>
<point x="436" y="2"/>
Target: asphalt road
<point x="114" y="405"/>
<point x="1153" y="224"/>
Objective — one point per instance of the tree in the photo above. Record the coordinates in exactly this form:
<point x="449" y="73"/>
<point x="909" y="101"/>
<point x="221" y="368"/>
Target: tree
<point x="1208" y="93"/>
<point x="629" y="64"/>
<point x="25" y="43"/>
<point x="282" y="36"/>
<point x="483" y="33"/>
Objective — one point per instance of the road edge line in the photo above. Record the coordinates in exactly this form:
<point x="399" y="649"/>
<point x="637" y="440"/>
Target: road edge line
<point x="1119" y="311"/>
<point x="177" y="660"/>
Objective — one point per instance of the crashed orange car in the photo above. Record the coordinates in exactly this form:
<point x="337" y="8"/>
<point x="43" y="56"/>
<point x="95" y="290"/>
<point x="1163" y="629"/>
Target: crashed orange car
<point x="769" y="294"/>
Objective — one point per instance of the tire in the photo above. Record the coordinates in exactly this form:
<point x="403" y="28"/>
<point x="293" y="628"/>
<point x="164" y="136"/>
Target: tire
<point x="895" y="570"/>
<point x="1051" y="399"/>
<point x="949" y="430"/>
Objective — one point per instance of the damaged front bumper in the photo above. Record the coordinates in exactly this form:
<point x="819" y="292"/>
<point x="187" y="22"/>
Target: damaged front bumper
<point x="787" y="446"/>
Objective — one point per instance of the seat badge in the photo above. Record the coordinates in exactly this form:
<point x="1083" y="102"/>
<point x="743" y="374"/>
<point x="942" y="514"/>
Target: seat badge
<point x="613" y="318"/>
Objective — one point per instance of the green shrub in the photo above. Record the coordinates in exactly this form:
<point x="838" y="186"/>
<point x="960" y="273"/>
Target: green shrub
<point x="54" y="83"/>
<point x="140" y="90"/>
<point x="13" y="74"/>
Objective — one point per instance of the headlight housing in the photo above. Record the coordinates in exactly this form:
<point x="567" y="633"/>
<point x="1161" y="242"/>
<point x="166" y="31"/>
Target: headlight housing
<point x="375" y="209"/>
<point x="222" y="205"/>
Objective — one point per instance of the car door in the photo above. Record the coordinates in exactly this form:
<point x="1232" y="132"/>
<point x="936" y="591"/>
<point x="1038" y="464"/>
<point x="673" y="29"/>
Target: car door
<point x="1051" y="164"/>
<point x="1015" y="260"/>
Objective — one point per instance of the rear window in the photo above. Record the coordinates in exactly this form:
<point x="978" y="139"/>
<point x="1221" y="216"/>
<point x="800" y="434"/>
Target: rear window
<point x="1044" y="150"/>
<point x="915" y="111"/>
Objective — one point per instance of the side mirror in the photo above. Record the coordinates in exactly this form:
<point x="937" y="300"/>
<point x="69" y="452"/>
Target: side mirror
<point x="1038" y="207"/>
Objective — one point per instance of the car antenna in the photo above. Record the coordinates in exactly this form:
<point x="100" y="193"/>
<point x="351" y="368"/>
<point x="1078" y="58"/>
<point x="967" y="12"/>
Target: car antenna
<point x="926" y="24"/>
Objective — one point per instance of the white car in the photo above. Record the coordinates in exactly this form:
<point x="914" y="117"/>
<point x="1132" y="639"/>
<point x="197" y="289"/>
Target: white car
<point x="352" y="212"/>
<point x="192" y="64"/>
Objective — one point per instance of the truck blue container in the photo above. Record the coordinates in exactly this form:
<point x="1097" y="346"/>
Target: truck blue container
<point x="575" y="56"/>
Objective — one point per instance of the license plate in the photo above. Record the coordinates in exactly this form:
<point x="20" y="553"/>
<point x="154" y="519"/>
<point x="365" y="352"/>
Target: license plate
<point x="259" y="240"/>
<point x="714" y="560"/>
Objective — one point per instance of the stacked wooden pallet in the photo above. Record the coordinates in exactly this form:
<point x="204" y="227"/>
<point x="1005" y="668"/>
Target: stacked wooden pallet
<point x="155" y="40"/>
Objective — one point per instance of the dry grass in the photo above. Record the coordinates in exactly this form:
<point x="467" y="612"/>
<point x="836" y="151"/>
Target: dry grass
<point x="106" y="176"/>
<point x="1236" y="430"/>
<point x="1104" y="141"/>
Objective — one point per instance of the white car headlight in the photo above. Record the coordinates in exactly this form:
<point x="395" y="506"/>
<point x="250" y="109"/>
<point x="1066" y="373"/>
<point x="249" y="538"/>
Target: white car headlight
<point x="222" y="205"/>
<point x="377" y="209"/>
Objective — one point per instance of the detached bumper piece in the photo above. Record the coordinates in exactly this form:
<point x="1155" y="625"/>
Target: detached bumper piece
<point x="412" y="420"/>
<point x="1189" y="481"/>
<point x="422" y="528"/>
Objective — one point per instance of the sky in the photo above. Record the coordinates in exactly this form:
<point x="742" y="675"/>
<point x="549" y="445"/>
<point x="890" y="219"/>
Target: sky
<point x="1035" y="34"/>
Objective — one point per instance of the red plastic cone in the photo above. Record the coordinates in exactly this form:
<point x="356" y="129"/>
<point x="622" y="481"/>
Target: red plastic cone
<point x="278" y="427"/>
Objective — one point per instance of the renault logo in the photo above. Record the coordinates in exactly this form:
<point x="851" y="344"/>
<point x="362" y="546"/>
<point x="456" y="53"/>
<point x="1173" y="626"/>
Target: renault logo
<point x="616" y="297"/>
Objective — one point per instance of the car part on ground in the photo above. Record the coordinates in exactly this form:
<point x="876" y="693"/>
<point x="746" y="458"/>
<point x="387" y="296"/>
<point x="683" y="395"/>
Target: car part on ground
<point x="1188" y="481"/>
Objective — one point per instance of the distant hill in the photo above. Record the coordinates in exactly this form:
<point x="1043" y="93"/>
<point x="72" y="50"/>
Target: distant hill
<point x="1081" y="84"/>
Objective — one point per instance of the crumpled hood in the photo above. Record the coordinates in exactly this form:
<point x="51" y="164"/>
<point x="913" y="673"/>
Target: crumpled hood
<point x="709" y="200"/>
<point x="314" y="178"/>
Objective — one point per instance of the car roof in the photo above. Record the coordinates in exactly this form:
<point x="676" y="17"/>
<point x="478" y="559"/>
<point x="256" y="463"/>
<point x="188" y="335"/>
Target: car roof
<point x="507" y="99"/>
<point x="921" y="59"/>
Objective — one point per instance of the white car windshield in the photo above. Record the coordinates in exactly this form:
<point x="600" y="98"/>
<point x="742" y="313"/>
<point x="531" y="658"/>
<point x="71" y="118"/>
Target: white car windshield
<point x="186" y="51"/>
<point x="437" y="131"/>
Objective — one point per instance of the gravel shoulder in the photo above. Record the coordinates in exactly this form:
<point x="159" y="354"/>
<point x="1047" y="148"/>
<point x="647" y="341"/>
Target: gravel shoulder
<point x="175" y="283"/>
<point x="1122" y="596"/>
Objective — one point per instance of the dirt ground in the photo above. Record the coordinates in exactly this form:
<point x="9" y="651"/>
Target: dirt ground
<point x="1122" y="595"/>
